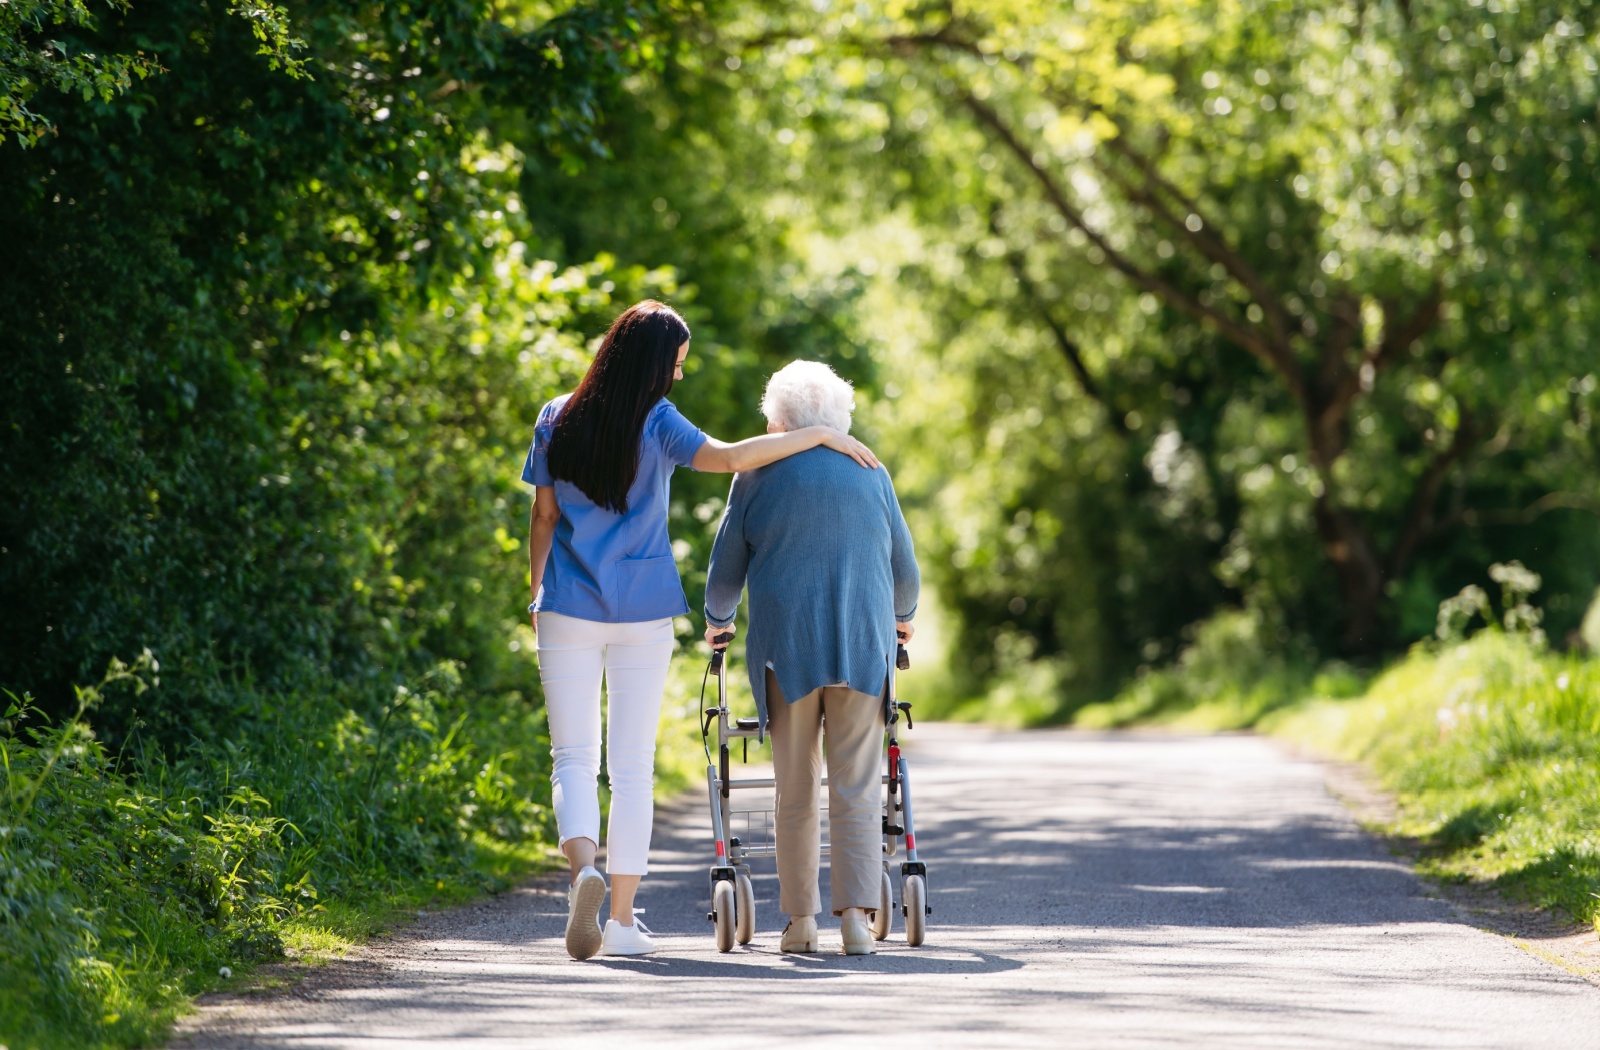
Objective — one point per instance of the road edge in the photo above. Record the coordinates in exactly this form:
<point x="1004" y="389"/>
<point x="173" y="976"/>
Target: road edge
<point x="1546" y="935"/>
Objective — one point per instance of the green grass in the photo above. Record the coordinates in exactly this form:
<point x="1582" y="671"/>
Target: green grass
<point x="1229" y="678"/>
<point x="131" y="883"/>
<point x="1491" y="747"/>
<point x="1492" y="750"/>
<point x="340" y="925"/>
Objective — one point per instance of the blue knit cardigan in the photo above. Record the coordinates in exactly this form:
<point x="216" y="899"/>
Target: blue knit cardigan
<point x="825" y="550"/>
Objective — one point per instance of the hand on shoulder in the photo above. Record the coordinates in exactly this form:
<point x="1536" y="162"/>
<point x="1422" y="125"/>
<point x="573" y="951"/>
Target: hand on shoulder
<point x="839" y="441"/>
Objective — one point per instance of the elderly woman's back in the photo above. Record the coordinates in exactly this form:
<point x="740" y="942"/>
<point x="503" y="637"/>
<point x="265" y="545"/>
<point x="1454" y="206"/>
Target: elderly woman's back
<point x="831" y="573"/>
<point x="830" y="567"/>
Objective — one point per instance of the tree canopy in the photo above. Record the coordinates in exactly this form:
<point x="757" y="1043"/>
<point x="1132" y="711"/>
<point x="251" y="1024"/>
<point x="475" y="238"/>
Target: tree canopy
<point x="247" y="300"/>
<point x="1157" y="308"/>
<point x="1281" y="305"/>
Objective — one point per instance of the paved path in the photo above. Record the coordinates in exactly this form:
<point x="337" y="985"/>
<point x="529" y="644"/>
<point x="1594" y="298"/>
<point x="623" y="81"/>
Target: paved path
<point x="1089" y="890"/>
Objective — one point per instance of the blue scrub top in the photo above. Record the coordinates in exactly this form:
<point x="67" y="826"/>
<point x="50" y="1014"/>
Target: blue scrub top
<point x="610" y="567"/>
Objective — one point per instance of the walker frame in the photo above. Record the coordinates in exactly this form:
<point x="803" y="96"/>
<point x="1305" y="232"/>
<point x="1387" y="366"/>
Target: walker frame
<point x="732" y="891"/>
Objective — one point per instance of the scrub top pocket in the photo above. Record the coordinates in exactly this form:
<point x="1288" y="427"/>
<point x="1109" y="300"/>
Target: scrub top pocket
<point x="644" y="585"/>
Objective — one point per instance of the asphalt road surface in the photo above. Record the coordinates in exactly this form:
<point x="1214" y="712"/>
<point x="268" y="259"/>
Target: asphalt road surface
<point x="1089" y="890"/>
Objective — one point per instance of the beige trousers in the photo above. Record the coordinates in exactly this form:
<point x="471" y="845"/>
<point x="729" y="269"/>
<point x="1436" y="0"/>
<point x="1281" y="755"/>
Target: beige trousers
<point x="855" y="801"/>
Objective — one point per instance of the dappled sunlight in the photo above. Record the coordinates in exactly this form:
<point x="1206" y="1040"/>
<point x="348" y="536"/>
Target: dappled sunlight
<point x="1136" y="889"/>
<point x="1235" y="367"/>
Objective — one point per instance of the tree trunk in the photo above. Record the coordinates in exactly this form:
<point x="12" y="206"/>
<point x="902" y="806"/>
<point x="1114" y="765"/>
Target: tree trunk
<point x="1325" y="389"/>
<point x="1360" y="572"/>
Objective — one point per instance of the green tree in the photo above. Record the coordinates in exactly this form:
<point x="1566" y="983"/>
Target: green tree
<point x="1329" y="250"/>
<point x="193" y="271"/>
<point x="681" y="187"/>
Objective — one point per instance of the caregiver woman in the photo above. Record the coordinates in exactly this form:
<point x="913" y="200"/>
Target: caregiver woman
<point x="601" y="462"/>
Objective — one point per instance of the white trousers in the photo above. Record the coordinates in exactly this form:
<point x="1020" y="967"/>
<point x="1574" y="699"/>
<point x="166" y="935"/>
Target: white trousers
<point x="633" y="658"/>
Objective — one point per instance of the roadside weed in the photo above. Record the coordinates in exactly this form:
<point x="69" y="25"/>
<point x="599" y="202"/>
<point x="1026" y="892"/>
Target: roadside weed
<point x="130" y="883"/>
<point x="1492" y="748"/>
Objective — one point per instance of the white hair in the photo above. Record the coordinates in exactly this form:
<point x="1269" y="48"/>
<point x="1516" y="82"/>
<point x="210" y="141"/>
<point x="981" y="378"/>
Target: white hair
<point x="808" y="394"/>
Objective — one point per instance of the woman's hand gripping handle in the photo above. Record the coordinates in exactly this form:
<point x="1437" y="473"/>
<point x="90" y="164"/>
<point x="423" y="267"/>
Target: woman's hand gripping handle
<point x="718" y="638"/>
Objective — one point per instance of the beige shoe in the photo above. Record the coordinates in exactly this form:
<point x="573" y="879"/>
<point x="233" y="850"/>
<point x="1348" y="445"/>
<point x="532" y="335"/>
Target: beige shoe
<point x="856" y="936"/>
<point x="799" y="936"/>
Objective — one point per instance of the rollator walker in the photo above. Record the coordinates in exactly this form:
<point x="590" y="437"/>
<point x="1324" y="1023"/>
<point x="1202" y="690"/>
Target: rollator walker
<point x="733" y="900"/>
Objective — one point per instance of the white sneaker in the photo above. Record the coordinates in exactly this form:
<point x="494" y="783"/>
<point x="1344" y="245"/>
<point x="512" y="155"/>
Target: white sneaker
<point x="583" y="913"/>
<point x="627" y="940"/>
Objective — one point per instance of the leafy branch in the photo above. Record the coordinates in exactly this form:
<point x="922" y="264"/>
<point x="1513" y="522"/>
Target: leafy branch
<point x="21" y="791"/>
<point x="34" y="57"/>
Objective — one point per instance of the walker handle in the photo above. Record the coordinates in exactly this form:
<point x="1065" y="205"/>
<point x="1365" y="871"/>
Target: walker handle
<point x="902" y="659"/>
<point x="719" y="646"/>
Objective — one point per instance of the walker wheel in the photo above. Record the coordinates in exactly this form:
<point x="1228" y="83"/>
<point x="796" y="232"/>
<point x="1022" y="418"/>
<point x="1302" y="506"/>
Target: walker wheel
<point x="915" y="893"/>
<point x="884" y="919"/>
<point x="744" y="913"/>
<point x="722" y="913"/>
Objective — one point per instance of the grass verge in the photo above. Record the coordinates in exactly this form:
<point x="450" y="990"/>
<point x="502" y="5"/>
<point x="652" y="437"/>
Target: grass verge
<point x="130" y="883"/>
<point x="1492" y="751"/>
<point x="1490" y="747"/>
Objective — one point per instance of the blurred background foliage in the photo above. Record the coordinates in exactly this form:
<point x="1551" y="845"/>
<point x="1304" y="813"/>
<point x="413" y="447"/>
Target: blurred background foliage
<point x="1203" y="340"/>
<point x="1172" y="308"/>
<point x="1281" y="307"/>
<point x="1157" y="310"/>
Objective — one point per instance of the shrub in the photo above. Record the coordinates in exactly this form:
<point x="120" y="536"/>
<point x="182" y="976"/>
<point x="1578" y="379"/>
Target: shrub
<point x="132" y="882"/>
<point x="1228" y="678"/>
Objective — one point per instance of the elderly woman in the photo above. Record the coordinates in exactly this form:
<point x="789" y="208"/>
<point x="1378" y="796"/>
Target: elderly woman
<point x="832" y="580"/>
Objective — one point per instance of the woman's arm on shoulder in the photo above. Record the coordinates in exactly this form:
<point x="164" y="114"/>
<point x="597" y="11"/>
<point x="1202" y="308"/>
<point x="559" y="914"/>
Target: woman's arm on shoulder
<point x="719" y="457"/>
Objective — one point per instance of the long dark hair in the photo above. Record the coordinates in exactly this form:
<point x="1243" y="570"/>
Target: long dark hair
<point x="595" y="444"/>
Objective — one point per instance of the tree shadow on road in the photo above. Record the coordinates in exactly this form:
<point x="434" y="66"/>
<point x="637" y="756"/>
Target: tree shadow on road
<point x="739" y="965"/>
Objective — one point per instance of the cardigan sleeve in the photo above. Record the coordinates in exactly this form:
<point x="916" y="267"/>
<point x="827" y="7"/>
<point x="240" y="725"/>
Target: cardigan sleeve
<point x="902" y="556"/>
<point x="730" y="558"/>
